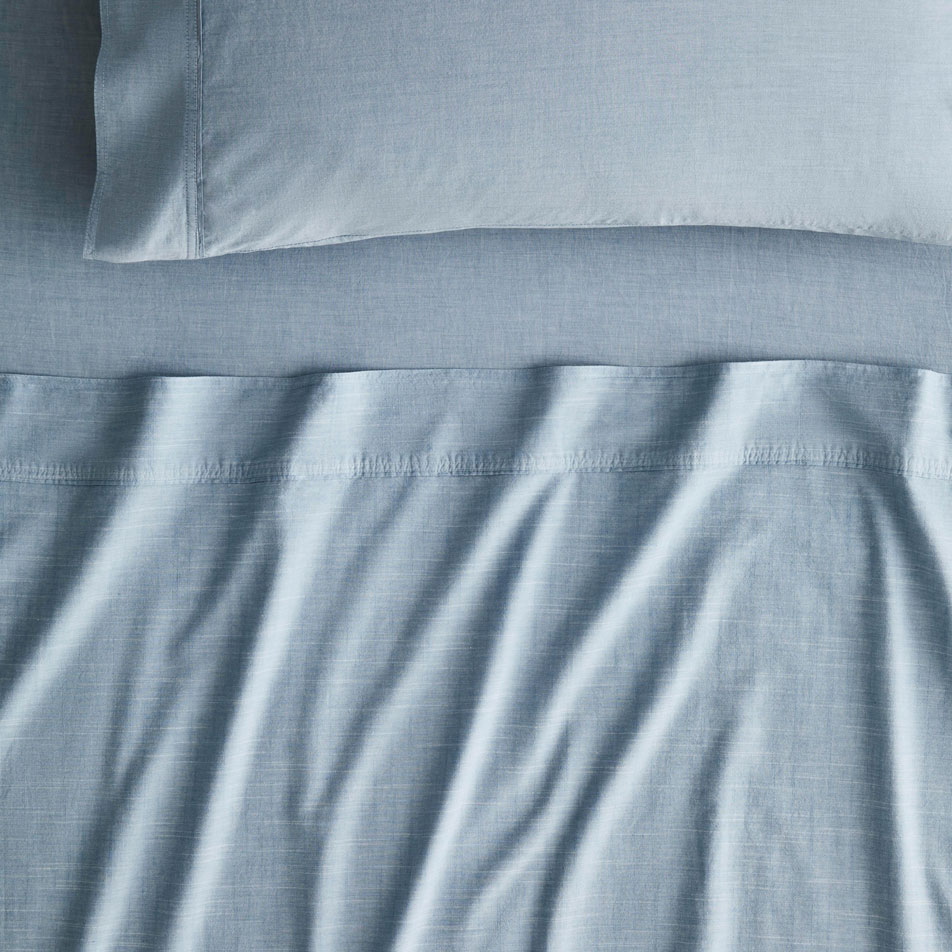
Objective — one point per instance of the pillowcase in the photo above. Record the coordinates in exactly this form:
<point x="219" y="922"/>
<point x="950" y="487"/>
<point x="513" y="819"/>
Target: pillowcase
<point x="236" y="125"/>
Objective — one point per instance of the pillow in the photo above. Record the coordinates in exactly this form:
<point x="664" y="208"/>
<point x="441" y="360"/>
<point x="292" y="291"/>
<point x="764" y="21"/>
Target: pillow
<point x="236" y="125"/>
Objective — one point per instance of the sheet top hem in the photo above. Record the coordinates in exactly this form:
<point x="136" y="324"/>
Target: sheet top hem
<point x="455" y="423"/>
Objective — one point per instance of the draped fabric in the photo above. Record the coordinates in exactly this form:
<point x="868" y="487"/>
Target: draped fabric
<point x="579" y="658"/>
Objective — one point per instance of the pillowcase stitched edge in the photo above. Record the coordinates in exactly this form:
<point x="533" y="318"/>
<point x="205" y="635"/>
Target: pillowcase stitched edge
<point x="146" y="202"/>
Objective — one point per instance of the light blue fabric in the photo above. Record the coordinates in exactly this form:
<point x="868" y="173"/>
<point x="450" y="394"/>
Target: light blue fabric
<point x="578" y="658"/>
<point x="629" y="296"/>
<point x="564" y="659"/>
<point x="232" y="125"/>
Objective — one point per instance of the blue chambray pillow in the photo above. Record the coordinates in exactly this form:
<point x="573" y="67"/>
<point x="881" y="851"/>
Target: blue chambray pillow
<point x="231" y="125"/>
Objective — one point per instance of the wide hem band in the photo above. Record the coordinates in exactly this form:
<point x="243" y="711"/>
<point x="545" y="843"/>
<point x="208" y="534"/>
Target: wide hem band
<point x="146" y="199"/>
<point x="424" y="423"/>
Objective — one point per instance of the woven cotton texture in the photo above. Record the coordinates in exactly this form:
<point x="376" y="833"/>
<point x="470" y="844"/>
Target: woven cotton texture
<point x="230" y="125"/>
<point x="572" y="659"/>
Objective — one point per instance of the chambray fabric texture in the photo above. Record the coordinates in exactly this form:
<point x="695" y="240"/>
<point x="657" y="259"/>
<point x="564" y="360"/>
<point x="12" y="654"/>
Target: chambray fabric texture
<point x="234" y="703"/>
<point x="231" y="125"/>
<point x="563" y="659"/>
<point x="622" y="296"/>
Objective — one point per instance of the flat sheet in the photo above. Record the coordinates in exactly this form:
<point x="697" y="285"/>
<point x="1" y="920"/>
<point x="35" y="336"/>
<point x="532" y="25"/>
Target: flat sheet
<point x="468" y="300"/>
<point x="564" y="659"/>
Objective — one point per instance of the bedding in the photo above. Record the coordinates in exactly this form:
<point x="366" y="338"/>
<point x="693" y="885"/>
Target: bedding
<point x="494" y="656"/>
<point x="570" y="658"/>
<point x="472" y="299"/>
<point x="228" y="125"/>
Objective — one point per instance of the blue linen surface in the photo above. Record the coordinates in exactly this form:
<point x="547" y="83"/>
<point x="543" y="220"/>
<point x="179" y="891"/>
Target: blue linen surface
<point x="234" y="125"/>
<point x="574" y="658"/>
<point x="254" y="706"/>
<point x="628" y="296"/>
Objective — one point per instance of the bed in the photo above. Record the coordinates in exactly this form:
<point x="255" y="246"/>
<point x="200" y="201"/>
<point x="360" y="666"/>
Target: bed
<point x="580" y="588"/>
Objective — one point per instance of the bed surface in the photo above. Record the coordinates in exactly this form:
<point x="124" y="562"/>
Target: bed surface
<point x="528" y="657"/>
<point x="656" y="296"/>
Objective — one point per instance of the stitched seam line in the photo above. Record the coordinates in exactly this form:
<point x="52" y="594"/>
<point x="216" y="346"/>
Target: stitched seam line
<point x="192" y="53"/>
<point x="199" y="129"/>
<point x="462" y="465"/>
